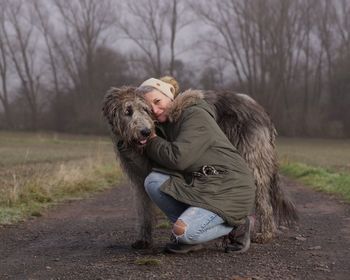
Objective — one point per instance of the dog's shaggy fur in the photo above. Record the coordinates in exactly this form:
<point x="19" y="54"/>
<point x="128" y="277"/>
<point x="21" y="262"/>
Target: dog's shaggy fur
<point x="245" y="123"/>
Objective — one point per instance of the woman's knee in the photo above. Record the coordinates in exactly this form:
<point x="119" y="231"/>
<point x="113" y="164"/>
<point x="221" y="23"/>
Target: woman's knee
<point x="184" y="233"/>
<point x="179" y="228"/>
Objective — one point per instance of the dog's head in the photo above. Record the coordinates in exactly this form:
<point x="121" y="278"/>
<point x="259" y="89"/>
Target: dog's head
<point x="128" y="115"/>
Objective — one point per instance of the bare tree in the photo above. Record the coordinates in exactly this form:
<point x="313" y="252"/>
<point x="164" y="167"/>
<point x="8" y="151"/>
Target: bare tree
<point x="4" y="66"/>
<point x="343" y="98"/>
<point x="266" y="44"/>
<point x="334" y="34"/>
<point x="22" y="45"/>
<point x="86" y="23"/>
<point x="153" y="26"/>
<point x="85" y="28"/>
<point x="221" y="17"/>
<point x="46" y="29"/>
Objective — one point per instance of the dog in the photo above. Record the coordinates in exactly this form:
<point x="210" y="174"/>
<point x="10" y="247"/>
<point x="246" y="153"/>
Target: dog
<point x="247" y="126"/>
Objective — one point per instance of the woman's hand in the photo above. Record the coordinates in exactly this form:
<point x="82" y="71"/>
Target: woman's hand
<point x="153" y="134"/>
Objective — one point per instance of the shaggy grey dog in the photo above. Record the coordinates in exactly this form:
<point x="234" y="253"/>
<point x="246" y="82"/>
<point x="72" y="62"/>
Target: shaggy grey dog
<point x="245" y="123"/>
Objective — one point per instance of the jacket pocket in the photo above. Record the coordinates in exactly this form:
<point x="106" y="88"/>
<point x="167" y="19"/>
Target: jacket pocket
<point x="208" y="181"/>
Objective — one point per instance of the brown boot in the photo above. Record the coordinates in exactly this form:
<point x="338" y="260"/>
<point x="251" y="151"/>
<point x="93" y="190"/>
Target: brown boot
<point x="239" y="237"/>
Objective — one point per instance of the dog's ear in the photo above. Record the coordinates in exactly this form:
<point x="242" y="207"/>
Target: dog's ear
<point x="112" y="101"/>
<point x="109" y="104"/>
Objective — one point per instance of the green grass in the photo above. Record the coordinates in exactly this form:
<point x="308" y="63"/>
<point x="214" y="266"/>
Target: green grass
<point x="319" y="178"/>
<point x="41" y="169"/>
<point x="164" y="225"/>
<point x="323" y="164"/>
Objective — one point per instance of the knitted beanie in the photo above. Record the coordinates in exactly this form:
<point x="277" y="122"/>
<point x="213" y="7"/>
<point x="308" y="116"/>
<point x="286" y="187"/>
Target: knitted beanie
<point x="163" y="87"/>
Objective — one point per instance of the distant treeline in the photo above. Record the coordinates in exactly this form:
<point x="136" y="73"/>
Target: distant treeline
<point x="58" y="58"/>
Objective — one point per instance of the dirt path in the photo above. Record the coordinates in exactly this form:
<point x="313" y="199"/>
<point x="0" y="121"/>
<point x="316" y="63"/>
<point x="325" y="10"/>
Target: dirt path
<point x="90" y="239"/>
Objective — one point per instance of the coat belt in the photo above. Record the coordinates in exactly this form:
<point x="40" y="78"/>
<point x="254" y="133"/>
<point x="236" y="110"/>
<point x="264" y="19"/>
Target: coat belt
<point x="207" y="170"/>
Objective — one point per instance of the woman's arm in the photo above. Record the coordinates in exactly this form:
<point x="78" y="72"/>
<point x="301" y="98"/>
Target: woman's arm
<point x="193" y="140"/>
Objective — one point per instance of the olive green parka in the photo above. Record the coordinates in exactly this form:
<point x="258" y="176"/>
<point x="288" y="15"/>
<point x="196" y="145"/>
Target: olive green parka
<point x="190" y="140"/>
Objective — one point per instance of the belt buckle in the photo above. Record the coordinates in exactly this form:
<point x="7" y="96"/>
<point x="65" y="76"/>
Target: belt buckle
<point x="209" y="170"/>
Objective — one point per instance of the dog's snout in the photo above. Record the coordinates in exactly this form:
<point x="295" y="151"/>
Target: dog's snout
<point x="145" y="132"/>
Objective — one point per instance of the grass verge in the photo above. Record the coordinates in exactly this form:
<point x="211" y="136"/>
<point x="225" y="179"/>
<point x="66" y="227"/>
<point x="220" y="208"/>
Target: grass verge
<point x="319" y="178"/>
<point x="38" y="170"/>
<point x="68" y="181"/>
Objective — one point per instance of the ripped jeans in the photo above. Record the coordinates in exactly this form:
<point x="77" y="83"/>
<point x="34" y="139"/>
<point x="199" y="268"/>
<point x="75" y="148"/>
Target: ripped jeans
<point x="201" y="225"/>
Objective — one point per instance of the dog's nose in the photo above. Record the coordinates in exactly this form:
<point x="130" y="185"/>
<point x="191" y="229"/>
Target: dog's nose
<point x="145" y="132"/>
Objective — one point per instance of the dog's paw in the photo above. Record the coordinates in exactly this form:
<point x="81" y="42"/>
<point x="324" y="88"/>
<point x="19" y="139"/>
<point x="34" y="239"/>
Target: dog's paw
<point x="141" y="244"/>
<point x="262" y="238"/>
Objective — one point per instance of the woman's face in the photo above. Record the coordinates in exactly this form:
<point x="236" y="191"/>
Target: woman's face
<point x="159" y="103"/>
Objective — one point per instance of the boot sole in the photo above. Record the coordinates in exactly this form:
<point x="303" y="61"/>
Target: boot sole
<point x="247" y="245"/>
<point x="195" y="248"/>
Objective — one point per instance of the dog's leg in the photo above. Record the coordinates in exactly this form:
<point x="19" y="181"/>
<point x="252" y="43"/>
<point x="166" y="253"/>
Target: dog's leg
<point x="146" y="218"/>
<point x="137" y="167"/>
<point x="261" y="158"/>
<point x="266" y="226"/>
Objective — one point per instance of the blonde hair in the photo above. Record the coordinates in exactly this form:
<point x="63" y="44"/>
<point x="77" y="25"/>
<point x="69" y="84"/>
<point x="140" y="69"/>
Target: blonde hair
<point x="172" y="81"/>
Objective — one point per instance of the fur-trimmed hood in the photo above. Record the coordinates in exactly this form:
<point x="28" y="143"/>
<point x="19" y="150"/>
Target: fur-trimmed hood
<point x="187" y="99"/>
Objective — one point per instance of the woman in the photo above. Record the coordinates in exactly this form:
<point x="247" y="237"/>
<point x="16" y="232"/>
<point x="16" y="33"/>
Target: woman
<point x="199" y="180"/>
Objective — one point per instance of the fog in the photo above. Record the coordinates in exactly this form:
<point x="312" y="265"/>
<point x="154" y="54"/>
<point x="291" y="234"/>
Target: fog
<point x="58" y="58"/>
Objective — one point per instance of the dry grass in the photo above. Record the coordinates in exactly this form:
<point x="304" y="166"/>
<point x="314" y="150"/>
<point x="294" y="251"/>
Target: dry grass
<point x="332" y="154"/>
<point x="37" y="170"/>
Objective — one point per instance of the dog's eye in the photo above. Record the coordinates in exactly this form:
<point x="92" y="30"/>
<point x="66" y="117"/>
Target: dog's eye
<point x="147" y="110"/>
<point x="128" y="111"/>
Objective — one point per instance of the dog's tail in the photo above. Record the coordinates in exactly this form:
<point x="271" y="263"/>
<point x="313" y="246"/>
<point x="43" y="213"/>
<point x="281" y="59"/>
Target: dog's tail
<point x="284" y="209"/>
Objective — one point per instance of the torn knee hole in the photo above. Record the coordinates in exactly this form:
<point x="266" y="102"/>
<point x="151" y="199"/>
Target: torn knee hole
<point x="179" y="228"/>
